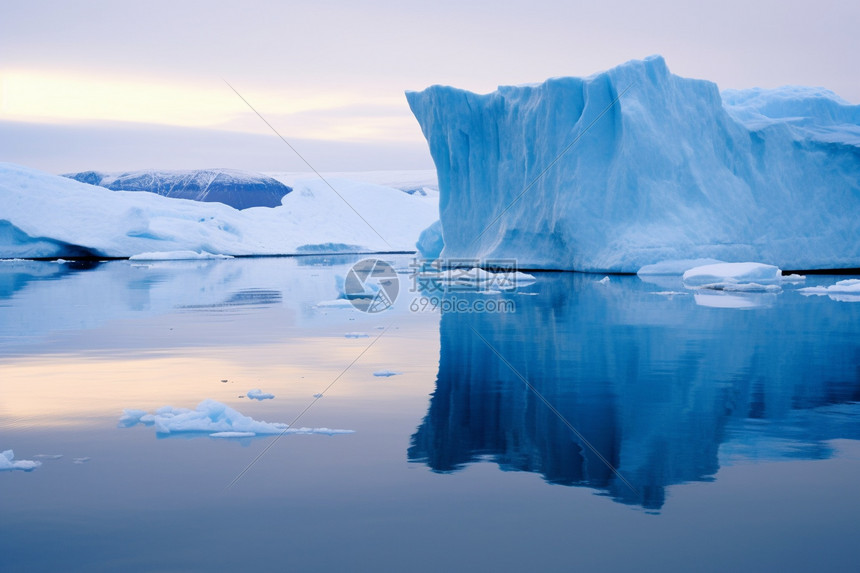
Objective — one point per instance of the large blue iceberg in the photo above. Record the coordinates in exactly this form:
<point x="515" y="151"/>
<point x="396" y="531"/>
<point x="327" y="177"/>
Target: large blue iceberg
<point x="657" y="167"/>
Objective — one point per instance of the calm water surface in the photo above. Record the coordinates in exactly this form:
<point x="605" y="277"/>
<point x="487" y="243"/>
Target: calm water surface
<point x="732" y="421"/>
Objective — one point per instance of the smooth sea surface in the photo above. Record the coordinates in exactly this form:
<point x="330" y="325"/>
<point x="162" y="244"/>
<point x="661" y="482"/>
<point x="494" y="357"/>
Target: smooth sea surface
<point x="623" y="425"/>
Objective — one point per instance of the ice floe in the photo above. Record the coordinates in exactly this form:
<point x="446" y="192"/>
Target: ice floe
<point x="843" y="291"/>
<point x="257" y="394"/>
<point x="9" y="463"/>
<point x="213" y="419"/>
<point x="738" y="277"/>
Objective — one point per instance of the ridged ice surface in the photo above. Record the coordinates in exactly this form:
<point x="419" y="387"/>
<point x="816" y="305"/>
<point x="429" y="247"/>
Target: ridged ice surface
<point x="671" y="170"/>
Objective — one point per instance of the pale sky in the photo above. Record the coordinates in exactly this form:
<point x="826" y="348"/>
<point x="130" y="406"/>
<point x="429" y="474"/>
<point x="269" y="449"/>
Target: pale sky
<point x="129" y="85"/>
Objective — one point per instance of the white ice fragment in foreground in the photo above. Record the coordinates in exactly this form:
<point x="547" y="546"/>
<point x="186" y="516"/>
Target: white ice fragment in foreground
<point x="793" y="278"/>
<point x="177" y="256"/>
<point x="386" y="373"/>
<point x="737" y="277"/>
<point x="8" y="463"/>
<point x="842" y="291"/>
<point x="257" y="394"/>
<point x="48" y="456"/>
<point x="212" y="417"/>
<point x="82" y="460"/>
<point x="356" y="335"/>
<point x="604" y="281"/>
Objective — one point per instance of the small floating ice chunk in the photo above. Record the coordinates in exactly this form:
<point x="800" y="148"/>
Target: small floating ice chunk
<point x="48" y="456"/>
<point x="793" y="278"/>
<point x="257" y="394"/>
<point x="131" y="417"/>
<point x="735" y="277"/>
<point x="604" y="281"/>
<point x="177" y="256"/>
<point x="232" y="435"/>
<point x="8" y="462"/>
<point x="356" y="335"/>
<point x="386" y="373"/>
<point x="670" y="293"/>
<point x="82" y="460"/>
<point x="212" y="417"/>
<point x="842" y="291"/>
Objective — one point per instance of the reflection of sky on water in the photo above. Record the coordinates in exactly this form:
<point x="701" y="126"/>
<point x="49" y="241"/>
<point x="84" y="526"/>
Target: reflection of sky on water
<point x="673" y="393"/>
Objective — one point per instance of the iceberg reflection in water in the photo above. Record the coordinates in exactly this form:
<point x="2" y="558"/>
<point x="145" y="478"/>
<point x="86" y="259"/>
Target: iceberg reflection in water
<point x="667" y="390"/>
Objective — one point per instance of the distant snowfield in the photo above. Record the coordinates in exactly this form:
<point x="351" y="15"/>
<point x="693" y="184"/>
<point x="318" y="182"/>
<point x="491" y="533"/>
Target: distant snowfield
<point x="46" y="216"/>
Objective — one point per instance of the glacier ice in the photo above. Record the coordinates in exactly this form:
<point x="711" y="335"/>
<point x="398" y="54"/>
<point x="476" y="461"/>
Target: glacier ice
<point x="177" y="256"/>
<point x="750" y="277"/>
<point x="659" y="167"/>
<point x="214" y="419"/>
<point x="48" y="216"/>
<point x="239" y="189"/>
<point x="8" y="462"/>
<point x="430" y="242"/>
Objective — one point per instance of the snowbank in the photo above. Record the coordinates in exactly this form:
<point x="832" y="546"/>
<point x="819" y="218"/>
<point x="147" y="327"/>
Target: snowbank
<point x="8" y="462"/>
<point x="671" y="170"/>
<point x="215" y="419"/>
<point x="50" y="216"/>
